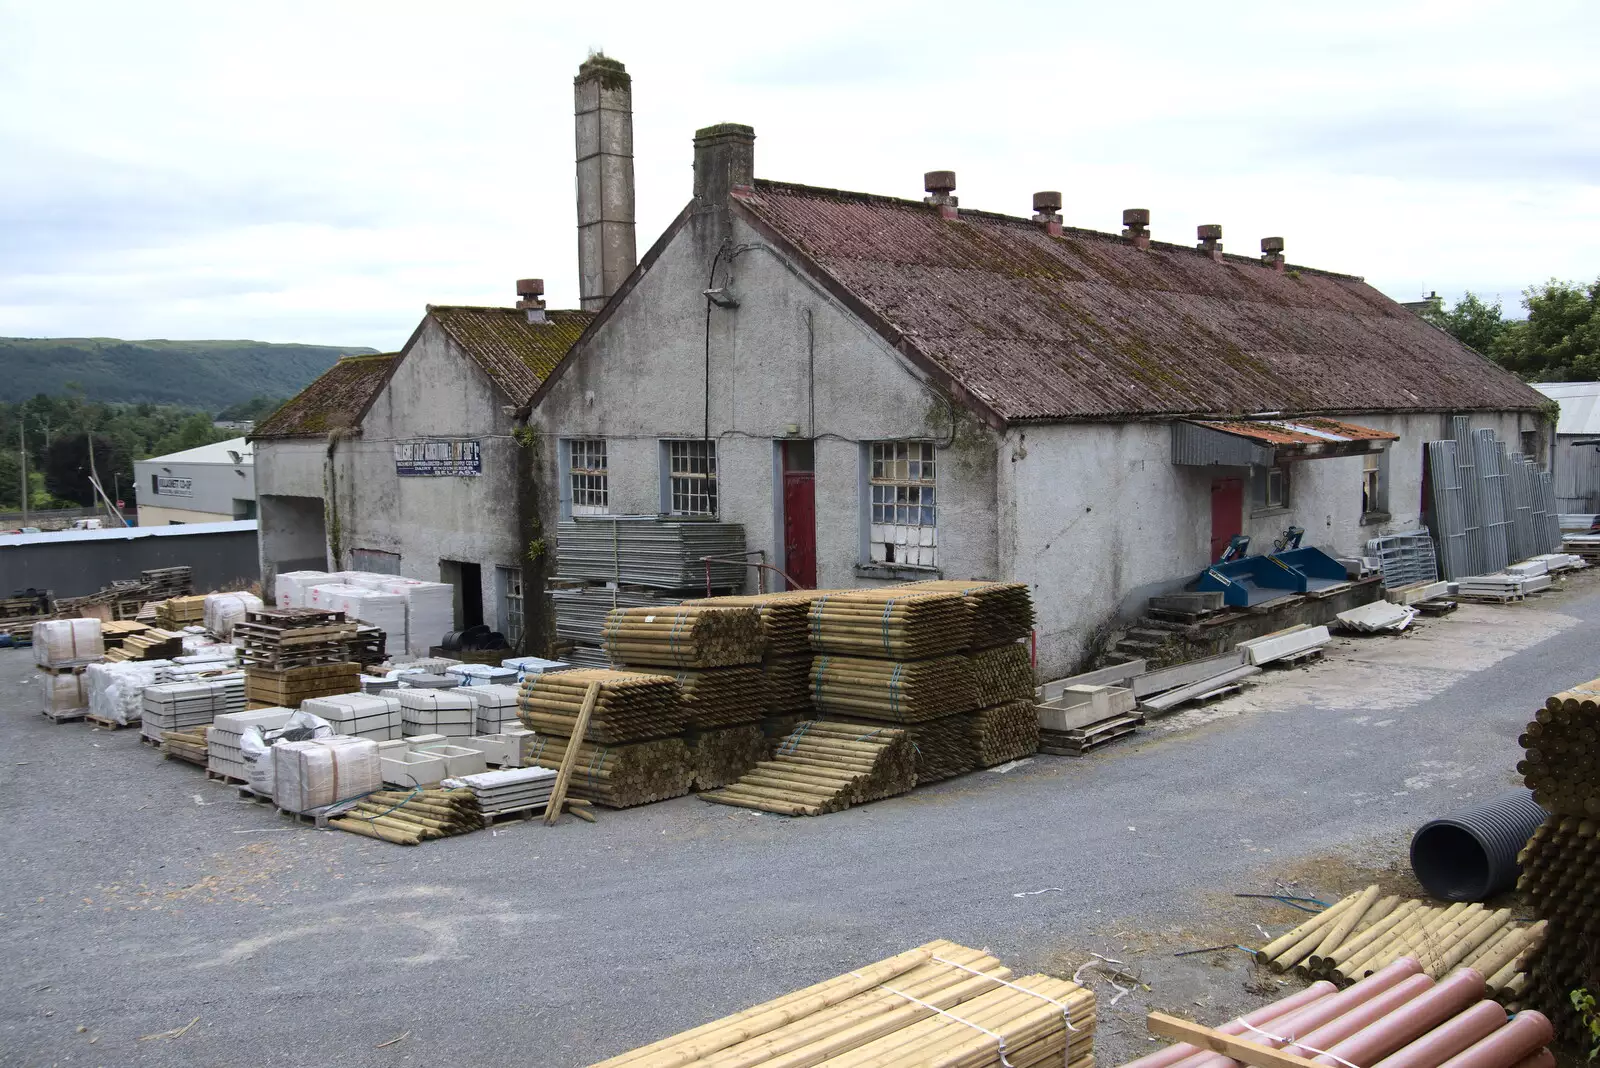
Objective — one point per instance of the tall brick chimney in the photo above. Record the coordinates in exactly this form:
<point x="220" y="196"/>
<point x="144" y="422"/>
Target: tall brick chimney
<point x="603" y="106"/>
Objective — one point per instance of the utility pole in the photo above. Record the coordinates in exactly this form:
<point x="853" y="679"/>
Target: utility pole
<point x="94" y="477"/>
<point x="22" y="442"/>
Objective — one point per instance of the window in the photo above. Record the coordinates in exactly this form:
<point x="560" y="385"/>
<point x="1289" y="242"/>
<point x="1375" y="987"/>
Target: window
<point x="587" y="466"/>
<point x="1270" y="489"/>
<point x="692" y="477"/>
<point x="243" y="509"/>
<point x="1530" y="444"/>
<point x="510" y="583"/>
<point x="1375" y="483"/>
<point x="903" y="528"/>
<point x="155" y="484"/>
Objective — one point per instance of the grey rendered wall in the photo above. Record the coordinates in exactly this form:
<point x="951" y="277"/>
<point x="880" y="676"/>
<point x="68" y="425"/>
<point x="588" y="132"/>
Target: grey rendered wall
<point x="289" y="483"/>
<point x="644" y="379"/>
<point x="1098" y="518"/>
<point x="220" y="561"/>
<point x="434" y="392"/>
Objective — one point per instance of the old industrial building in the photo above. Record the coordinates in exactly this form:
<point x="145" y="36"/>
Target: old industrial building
<point x="210" y="484"/>
<point x="883" y="389"/>
<point x="1575" y="460"/>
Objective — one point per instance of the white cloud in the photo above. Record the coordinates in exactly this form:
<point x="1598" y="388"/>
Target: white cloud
<point x="318" y="172"/>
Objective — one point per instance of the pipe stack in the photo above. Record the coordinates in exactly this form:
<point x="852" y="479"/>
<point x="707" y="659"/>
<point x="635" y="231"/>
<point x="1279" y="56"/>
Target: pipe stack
<point x="684" y="636"/>
<point x="617" y="776"/>
<point x="407" y="817"/>
<point x="1561" y="861"/>
<point x="1365" y="933"/>
<point x="1398" y="1017"/>
<point x="825" y="767"/>
<point x="1004" y="673"/>
<point x="939" y="1004"/>
<point x="632" y="707"/>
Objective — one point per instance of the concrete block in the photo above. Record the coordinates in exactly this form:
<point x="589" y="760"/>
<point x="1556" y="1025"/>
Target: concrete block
<point x="1192" y="602"/>
<point x="457" y="760"/>
<point x="422" y="741"/>
<point x="496" y="749"/>
<point x="1417" y="591"/>
<point x="1272" y="647"/>
<point x="1168" y="678"/>
<point x="1116" y="675"/>
<point x="411" y="769"/>
<point x="1079" y="706"/>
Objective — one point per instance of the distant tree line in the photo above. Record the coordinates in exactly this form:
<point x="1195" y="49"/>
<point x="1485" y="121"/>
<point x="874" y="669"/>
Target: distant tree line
<point x="1559" y="341"/>
<point x="58" y="433"/>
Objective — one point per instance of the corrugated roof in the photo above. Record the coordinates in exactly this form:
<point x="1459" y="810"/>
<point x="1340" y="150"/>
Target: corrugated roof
<point x="1312" y="431"/>
<point x="515" y="353"/>
<point x="336" y="400"/>
<point x="215" y="453"/>
<point x="1580" y="406"/>
<point x="1087" y="326"/>
<point x="175" y="530"/>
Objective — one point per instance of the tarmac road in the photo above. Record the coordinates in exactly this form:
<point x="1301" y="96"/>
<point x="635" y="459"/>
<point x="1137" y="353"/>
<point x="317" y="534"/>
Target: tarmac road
<point x="137" y="896"/>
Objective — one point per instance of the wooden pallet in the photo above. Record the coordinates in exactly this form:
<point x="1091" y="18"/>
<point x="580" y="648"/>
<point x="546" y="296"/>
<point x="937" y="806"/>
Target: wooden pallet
<point x="178" y="754"/>
<point x="231" y="780"/>
<point x="1304" y="656"/>
<point x="151" y="742"/>
<point x="1080" y="740"/>
<point x="70" y="715"/>
<point x="109" y="724"/>
<point x="1490" y="598"/>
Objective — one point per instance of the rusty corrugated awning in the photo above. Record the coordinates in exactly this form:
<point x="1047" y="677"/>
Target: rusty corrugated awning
<point x="1264" y="442"/>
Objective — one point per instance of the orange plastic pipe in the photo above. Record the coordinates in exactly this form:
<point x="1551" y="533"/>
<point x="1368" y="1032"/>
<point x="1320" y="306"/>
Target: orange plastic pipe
<point x="1335" y="1031"/>
<point x="1305" y="1020"/>
<point x="1449" y="1038"/>
<point x="1524" y="1036"/>
<point x="1259" y="1018"/>
<point x="1410" y="1021"/>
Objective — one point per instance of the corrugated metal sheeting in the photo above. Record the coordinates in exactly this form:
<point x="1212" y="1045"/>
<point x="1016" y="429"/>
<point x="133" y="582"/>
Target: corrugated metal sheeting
<point x="1487" y="508"/>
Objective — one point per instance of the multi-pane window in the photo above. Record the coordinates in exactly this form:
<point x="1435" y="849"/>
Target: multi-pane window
<point x="692" y="477"/>
<point x="511" y="602"/>
<point x="1373" y="498"/>
<point x="590" y="493"/>
<point x="903" y="528"/>
<point x="1271" y="488"/>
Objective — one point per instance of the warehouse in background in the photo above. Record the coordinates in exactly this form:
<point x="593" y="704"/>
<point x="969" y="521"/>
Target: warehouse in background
<point x="211" y="484"/>
<point x="1576" y="455"/>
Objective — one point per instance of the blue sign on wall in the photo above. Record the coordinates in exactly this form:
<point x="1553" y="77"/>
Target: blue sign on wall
<point x="430" y="457"/>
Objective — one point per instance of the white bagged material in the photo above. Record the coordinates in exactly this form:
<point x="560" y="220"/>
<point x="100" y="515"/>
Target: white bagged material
<point x="430" y="612"/>
<point x="312" y="774"/>
<point x="444" y="712"/>
<point x="386" y="611"/>
<point x="291" y="587"/>
<point x="533" y="665"/>
<point x="482" y="674"/>
<point x="223" y="610"/>
<point x="359" y="715"/>
<point x="257" y="742"/>
<point x="116" y="691"/>
<point x="67" y="642"/>
<point x="496" y="707"/>
<point x="64" y="693"/>
<point x="330" y="596"/>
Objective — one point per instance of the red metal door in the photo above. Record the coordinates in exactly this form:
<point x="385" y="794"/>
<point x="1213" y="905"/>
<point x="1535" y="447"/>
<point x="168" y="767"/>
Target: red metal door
<point x="800" y="528"/>
<point x="1227" y="513"/>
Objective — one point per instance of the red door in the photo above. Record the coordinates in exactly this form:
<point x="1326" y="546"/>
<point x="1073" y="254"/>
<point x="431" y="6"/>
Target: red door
<point x="800" y="528"/>
<point x="1227" y="514"/>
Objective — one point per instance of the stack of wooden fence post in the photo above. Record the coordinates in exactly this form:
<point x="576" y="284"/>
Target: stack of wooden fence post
<point x="632" y="753"/>
<point x="291" y="654"/>
<point x="714" y="653"/>
<point x="1561" y="862"/>
<point x="786" y="661"/>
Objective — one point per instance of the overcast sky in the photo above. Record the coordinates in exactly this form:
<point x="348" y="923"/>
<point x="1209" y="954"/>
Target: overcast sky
<point x="320" y="171"/>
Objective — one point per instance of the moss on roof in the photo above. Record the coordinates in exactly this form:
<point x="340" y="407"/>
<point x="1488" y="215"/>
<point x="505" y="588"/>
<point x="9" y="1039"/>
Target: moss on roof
<point x="515" y="353"/>
<point x="336" y="400"/>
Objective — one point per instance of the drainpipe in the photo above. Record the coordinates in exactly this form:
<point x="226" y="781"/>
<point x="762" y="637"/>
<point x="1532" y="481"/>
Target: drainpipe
<point x="537" y="627"/>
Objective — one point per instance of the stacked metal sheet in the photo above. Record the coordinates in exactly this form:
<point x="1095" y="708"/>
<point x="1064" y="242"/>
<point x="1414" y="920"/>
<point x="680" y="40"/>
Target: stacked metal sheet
<point x="445" y="712"/>
<point x="178" y="706"/>
<point x="1487" y="507"/>
<point x="224" y="755"/>
<point x="496" y="707"/>
<point x="359" y="715"/>
<point x="508" y="790"/>
<point x="649" y="550"/>
<point x="1405" y="559"/>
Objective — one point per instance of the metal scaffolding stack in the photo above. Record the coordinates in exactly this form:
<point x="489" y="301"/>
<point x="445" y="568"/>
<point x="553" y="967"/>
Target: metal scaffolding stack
<point x="1488" y="508"/>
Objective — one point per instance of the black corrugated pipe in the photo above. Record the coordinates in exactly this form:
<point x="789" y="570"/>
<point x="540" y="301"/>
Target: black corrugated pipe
<point x="1471" y="855"/>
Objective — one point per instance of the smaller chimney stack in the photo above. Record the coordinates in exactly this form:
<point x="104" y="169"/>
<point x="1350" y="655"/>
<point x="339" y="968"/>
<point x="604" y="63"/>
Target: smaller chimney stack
<point x="1272" y="253"/>
<point x="1047" y="211"/>
<point x="530" y="298"/>
<point x="1210" y="235"/>
<point x="724" y="160"/>
<point x="1136" y="223"/>
<point x="941" y="186"/>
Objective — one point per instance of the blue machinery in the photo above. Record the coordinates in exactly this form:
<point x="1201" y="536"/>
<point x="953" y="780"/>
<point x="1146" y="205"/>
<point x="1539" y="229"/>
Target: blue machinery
<point x="1246" y="580"/>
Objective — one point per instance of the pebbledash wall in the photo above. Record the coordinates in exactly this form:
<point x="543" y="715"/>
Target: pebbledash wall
<point x="1095" y="517"/>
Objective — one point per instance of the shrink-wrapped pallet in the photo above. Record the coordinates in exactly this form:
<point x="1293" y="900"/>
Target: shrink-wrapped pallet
<point x="359" y="715"/>
<point x="446" y="712"/>
<point x="223" y="610"/>
<point x="291" y="587"/>
<point x="496" y="707"/>
<point x="312" y="774"/>
<point x="67" y="642"/>
<point x="64" y="693"/>
<point x="116" y="691"/>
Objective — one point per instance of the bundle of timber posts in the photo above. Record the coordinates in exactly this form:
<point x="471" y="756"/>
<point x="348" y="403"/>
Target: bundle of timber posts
<point x="1560" y="880"/>
<point x="1365" y="932"/>
<point x="940" y="1004"/>
<point x="786" y="658"/>
<point x="407" y="817"/>
<point x="825" y="767"/>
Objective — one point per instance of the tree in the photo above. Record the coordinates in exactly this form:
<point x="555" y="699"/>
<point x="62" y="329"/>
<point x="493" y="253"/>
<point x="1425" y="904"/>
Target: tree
<point x="66" y="466"/>
<point x="1472" y="322"/>
<point x="1559" y="341"/>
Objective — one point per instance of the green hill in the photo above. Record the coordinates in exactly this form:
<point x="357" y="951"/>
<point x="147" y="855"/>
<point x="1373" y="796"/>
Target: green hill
<point x="209" y="375"/>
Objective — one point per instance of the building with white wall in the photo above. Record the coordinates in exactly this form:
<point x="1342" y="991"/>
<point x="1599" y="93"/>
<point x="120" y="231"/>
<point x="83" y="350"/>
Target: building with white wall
<point x="1575" y="460"/>
<point x="883" y="389"/>
<point x="210" y="484"/>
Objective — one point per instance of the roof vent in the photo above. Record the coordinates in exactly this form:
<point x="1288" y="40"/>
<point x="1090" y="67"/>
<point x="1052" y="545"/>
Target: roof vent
<point x="1047" y="211"/>
<point x="941" y="187"/>
<point x="1210" y="235"/>
<point x="1272" y="253"/>
<point x="530" y="298"/>
<point x="1136" y="226"/>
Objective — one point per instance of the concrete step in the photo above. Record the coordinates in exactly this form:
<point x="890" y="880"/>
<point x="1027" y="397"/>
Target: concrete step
<point x="1155" y="622"/>
<point x="1136" y="649"/>
<point x="1148" y="634"/>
